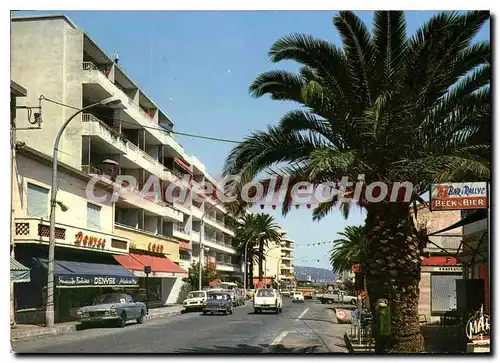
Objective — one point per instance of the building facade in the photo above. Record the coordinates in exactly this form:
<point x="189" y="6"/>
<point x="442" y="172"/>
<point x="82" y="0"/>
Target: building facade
<point x="440" y="269"/>
<point x="64" y="69"/>
<point x="278" y="261"/>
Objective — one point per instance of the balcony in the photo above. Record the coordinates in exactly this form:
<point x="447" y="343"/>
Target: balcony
<point x="213" y="243"/>
<point x="285" y="257"/>
<point x="36" y="231"/>
<point x="92" y="126"/>
<point x="287" y="247"/>
<point x="133" y="197"/>
<point x="218" y="224"/>
<point x="286" y="267"/>
<point x="181" y="232"/>
<point x="227" y="267"/>
<point x="92" y="75"/>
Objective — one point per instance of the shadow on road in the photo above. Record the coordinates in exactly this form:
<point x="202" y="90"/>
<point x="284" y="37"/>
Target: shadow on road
<point x="248" y="349"/>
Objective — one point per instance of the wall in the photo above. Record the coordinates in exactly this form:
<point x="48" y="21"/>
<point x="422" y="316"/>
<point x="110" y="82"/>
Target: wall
<point x="436" y="221"/>
<point x="71" y="192"/>
<point x="46" y="58"/>
<point x="271" y="263"/>
<point x="140" y="240"/>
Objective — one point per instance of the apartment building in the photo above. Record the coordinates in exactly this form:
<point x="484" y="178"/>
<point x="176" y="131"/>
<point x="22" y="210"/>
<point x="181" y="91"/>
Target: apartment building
<point x="279" y="260"/>
<point x="54" y="59"/>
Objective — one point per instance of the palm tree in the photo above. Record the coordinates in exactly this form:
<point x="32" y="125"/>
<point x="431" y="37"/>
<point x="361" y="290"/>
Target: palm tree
<point x="261" y="230"/>
<point x="391" y="107"/>
<point x="350" y="250"/>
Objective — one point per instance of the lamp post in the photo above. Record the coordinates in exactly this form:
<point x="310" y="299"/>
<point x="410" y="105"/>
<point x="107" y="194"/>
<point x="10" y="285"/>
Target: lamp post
<point x="278" y="273"/>
<point x="246" y="263"/>
<point x="49" y="313"/>
<point x="147" y="271"/>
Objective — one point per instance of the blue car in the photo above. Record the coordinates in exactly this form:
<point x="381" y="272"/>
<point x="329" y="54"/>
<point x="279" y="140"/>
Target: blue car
<point x="218" y="302"/>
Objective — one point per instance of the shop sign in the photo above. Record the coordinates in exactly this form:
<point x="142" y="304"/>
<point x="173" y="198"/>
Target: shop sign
<point x="478" y="327"/>
<point x="356" y="268"/>
<point x="457" y="196"/>
<point x="85" y="240"/>
<point x="89" y="280"/>
<point x="155" y="247"/>
<point x="447" y="269"/>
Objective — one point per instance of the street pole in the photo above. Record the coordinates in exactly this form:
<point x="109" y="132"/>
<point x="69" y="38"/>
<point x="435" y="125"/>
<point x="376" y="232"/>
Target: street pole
<point x="49" y="313"/>
<point x="278" y="273"/>
<point x="147" y="271"/>
<point x="265" y="258"/>
<point x="246" y="263"/>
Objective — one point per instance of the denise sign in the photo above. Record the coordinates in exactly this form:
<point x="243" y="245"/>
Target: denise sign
<point x="456" y="196"/>
<point x="89" y="280"/>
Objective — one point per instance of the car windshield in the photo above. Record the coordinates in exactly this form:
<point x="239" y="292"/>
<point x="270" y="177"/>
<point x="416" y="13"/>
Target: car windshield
<point x="265" y="293"/>
<point x="217" y="296"/>
<point x="110" y="299"/>
<point x="196" y="294"/>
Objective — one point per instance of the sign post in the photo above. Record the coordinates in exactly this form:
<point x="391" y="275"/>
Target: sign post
<point x="147" y="271"/>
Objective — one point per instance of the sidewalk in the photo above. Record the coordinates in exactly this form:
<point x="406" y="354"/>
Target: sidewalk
<point x="23" y="331"/>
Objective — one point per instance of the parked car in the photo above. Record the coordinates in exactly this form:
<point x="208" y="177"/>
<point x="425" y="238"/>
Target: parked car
<point x="114" y="306"/>
<point x="286" y="293"/>
<point x="250" y="293"/>
<point x="337" y="296"/>
<point x="240" y="299"/>
<point x="297" y="296"/>
<point x="195" y="300"/>
<point x="267" y="299"/>
<point x="218" y="302"/>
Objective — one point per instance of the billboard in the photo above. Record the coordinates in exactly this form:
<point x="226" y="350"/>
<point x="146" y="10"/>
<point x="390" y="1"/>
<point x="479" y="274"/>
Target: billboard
<point x="457" y="196"/>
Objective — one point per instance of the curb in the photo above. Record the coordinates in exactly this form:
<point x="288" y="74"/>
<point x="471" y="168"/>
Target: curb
<point x="15" y="336"/>
<point x="162" y="315"/>
<point x="37" y="333"/>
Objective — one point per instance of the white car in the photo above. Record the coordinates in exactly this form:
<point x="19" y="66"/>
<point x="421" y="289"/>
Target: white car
<point x="195" y="300"/>
<point x="297" y="296"/>
<point x="267" y="299"/>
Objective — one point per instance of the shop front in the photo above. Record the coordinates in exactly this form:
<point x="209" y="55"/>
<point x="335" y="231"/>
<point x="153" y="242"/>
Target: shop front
<point x="163" y="283"/>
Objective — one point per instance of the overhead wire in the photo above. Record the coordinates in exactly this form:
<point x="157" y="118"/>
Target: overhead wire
<point x="152" y="127"/>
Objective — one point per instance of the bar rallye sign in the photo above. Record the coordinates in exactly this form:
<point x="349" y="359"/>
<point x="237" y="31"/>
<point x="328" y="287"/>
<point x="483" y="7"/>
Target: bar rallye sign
<point x="89" y="280"/>
<point x="456" y="196"/>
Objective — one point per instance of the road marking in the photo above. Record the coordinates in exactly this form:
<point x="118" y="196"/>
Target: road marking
<point x="279" y="338"/>
<point x="301" y="315"/>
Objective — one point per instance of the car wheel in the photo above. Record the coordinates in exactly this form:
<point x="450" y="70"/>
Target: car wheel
<point x="141" y="319"/>
<point x="122" y="320"/>
<point x="204" y="312"/>
<point x="255" y="311"/>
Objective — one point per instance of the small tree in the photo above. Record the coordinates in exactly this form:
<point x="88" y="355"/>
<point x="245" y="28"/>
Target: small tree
<point x="209" y="275"/>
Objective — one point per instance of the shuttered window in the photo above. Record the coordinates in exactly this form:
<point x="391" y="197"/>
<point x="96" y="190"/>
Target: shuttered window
<point x="93" y="216"/>
<point x="38" y="201"/>
<point x="443" y="292"/>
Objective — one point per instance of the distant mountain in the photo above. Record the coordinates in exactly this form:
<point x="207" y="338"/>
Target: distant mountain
<point x="316" y="274"/>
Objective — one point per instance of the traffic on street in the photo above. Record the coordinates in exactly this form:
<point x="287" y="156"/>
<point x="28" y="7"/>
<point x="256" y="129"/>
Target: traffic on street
<point x="300" y="328"/>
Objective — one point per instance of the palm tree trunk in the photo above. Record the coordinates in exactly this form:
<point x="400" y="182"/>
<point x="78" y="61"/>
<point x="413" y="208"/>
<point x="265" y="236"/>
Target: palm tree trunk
<point x="393" y="274"/>
<point x="261" y="259"/>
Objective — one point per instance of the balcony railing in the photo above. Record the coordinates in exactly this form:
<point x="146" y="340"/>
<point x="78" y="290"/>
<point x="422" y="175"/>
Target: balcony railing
<point x="144" y="154"/>
<point x="87" y="117"/>
<point x="89" y="66"/>
<point x="180" y="228"/>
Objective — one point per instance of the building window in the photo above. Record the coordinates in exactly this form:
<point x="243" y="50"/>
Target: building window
<point x="93" y="216"/>
<point x="443" y="293"/>
<point x="38" y="201"/>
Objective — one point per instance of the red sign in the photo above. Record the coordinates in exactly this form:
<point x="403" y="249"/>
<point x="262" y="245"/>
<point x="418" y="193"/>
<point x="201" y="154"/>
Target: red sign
<point x="357" y="268"/>
<point x="456" y="196"/>
<point x="89" y="241"/>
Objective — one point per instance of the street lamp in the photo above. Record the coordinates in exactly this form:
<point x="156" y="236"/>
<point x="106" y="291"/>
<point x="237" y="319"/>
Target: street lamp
<point x="246" y="263"/>
<point x="49" y="313"/>
<point x="267" y="253"/>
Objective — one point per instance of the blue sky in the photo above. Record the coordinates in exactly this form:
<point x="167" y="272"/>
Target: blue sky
<point x="197" y="66"/>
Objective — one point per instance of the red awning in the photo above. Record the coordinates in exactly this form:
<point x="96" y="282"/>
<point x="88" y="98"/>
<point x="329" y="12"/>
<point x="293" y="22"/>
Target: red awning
<point x="183" y="165"/>
<point x="439" y="261"/>
<point x="159" y="265"/>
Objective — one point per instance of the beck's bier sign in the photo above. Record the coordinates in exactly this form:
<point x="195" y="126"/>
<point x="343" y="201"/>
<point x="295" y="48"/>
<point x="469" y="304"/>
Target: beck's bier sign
<point x="456" y="196"/>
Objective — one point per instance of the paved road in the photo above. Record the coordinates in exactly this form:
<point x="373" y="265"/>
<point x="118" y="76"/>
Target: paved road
<point x="300" y="328"/>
